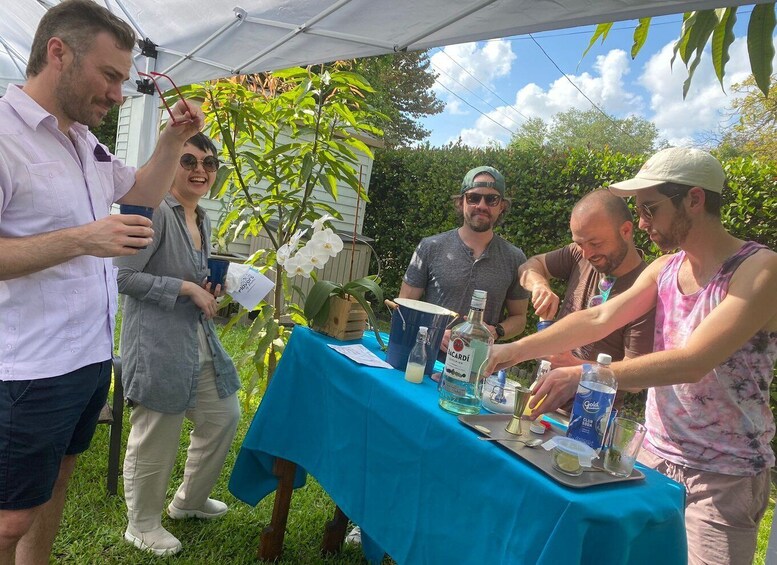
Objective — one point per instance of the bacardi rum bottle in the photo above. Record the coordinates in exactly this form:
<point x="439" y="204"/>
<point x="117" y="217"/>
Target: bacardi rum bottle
<point x="461" y="383"/>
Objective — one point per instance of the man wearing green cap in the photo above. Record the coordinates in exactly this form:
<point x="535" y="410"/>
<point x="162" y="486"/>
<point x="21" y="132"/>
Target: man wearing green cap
<point x="446" y="268"/>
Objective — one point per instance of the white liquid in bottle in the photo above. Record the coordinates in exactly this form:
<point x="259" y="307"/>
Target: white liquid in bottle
<point x="414" y="373"/>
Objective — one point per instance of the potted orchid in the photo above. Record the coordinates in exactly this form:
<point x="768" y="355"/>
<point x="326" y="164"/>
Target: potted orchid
<point x="340" y="310"/>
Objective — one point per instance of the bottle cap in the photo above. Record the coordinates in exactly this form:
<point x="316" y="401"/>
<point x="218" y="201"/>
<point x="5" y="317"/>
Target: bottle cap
<point x="603" y="359"/>
<point x="539" y="426"/>
<point x="422" y="330"/>
<point x="479" y="299"/>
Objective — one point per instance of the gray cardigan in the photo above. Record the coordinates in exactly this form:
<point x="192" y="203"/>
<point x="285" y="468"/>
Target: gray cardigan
<point x="159" y="346"/>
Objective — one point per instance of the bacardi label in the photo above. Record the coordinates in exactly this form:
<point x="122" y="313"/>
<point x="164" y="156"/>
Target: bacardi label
<point x="458" y="362"/>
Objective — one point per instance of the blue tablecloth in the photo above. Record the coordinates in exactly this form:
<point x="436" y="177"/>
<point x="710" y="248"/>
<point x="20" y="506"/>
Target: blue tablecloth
<point x="422" y="486"/>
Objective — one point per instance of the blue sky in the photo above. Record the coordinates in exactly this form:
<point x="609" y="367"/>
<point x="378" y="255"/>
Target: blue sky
<point x="511" y="79"/>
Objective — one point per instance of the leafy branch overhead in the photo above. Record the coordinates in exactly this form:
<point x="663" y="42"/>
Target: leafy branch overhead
<point x="715" y="27"/>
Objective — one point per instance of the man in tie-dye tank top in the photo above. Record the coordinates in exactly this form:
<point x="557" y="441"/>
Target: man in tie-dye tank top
<point x="708" y="416"/>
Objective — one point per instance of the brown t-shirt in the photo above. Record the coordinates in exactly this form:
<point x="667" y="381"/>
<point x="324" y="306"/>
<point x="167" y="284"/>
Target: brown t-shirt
<point x="633" y="339"/>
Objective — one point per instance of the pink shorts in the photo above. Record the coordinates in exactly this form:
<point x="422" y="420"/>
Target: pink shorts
<point x="722" y="512"/>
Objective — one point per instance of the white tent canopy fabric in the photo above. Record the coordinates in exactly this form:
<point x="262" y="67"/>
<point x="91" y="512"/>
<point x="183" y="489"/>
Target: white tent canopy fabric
<point x="197" y="40"/>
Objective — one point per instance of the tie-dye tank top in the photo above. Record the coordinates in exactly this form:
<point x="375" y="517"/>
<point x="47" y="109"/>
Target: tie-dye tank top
<point x="722" y="423"/>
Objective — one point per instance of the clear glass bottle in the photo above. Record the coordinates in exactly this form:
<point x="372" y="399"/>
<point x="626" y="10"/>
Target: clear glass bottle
<point x="593" y="403"/>
<point x="461" y="383"/>
<point x="416" y="361"/>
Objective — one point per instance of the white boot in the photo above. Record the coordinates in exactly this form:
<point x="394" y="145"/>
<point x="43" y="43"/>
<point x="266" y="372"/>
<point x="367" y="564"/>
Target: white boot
<point x="158" y="541"/>
<point x="211" y="509"/>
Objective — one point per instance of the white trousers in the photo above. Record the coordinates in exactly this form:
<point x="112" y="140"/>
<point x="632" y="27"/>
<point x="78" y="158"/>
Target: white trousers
<point x="153" y="446"/>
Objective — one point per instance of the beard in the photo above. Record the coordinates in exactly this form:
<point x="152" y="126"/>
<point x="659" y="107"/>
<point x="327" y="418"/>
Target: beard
<point x="480" y="222"/>
<point x="613" y="260"/>
<point x="678" y="231"/>
<point x="76" y="102"/>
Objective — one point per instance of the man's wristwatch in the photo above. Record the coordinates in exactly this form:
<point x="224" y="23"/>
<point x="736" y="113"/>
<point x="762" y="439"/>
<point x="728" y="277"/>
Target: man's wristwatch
<point x="500" y="331"/>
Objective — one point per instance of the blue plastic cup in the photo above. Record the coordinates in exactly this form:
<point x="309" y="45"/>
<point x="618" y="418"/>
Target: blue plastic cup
<point x="217" y="272"/>
<point x="145" y="211"/>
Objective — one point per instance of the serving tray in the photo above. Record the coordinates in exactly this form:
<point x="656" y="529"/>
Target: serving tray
<point x="493" y="425"/>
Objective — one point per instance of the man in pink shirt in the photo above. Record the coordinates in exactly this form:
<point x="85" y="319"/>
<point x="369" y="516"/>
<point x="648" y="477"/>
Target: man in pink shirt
<point x="57" y="283"/>
<point x="708" y="416"/>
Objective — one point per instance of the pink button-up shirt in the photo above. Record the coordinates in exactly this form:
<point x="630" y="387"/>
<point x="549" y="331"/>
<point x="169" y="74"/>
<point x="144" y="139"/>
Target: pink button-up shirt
<point x="59" y="319"/>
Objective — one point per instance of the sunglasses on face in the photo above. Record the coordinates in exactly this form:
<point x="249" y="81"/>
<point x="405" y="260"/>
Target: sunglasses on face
<point x="605" y="286"/>
<point x="473" y="198"/>
<point x="645" y="211"/>
<point x="209" y="163"/>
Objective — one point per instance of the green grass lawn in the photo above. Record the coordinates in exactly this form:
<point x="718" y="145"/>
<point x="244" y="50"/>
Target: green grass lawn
<point x="93" y="524"/>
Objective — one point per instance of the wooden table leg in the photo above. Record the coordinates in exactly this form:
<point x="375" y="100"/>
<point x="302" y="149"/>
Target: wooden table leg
<point x="334" y="533"/>
<point x="271" y="539"/>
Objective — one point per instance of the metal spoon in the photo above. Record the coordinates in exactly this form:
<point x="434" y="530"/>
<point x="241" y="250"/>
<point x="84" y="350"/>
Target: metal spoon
<point x="531" y="442"/>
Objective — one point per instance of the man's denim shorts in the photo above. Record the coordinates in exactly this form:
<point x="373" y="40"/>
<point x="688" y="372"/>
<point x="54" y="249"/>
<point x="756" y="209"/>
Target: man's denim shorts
<point x="41" y="421"/>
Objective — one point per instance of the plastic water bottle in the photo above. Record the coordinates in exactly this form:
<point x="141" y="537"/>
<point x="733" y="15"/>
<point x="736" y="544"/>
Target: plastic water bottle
<point x="416" y="362"/>
<point x="593" y="403"/>
<point x="542" y="324"/>
<point x="543" y="368"/>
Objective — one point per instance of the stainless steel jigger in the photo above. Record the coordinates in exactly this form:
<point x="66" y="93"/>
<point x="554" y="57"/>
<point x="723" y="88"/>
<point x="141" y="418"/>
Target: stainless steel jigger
<point x="522" y="396"/>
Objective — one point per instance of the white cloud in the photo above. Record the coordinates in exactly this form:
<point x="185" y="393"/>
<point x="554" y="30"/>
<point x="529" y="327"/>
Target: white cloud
<point x="464" y="67"/>
<point x="487" y="129"/>
<point x="606" y="88"/>
<point x="681" y="121"/>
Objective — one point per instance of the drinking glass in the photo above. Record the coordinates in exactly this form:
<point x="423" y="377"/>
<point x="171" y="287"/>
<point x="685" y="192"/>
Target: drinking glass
<point x="623" y="445"/>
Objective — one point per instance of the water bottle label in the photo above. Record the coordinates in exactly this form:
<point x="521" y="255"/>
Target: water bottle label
<point x="591" y="414"/>
<point x="458" y="362"/>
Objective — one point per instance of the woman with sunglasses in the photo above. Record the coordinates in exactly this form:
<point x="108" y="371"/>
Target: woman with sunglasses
<point x="174" y="365"/>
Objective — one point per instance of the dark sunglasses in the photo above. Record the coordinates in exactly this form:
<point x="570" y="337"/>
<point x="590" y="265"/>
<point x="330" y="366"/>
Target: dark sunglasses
<point x="473" y="199"/>
<point x="209" y="163"/>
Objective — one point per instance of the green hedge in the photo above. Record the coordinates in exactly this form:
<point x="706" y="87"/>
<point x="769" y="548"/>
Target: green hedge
<point x="410" y="192"/>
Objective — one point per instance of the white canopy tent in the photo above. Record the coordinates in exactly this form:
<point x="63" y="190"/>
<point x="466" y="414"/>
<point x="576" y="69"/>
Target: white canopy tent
<point x="196" y="40"/>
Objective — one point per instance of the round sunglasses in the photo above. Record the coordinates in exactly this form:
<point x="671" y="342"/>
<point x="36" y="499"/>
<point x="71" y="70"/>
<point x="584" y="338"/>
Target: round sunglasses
<point x="605" y="286"/>
<point x="209" y="163"/>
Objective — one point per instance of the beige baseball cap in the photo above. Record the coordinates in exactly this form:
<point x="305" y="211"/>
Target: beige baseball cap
<point x="680" y="165"/>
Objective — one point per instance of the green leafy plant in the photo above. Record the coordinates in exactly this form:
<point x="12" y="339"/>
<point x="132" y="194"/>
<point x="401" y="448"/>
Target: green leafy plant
<point x="286" y="138"/>
<point x="716" y="27"/>
<point x="318" y="302"/>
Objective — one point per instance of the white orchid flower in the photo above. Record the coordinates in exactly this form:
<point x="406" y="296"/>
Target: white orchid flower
<point x="284" y="252"/>
<point x="317" y="255"/>
<point x="318" y="224"/>
<point x="294" y="240"/>
<point x="298" y="264"/>
<point x="327" y="240"/>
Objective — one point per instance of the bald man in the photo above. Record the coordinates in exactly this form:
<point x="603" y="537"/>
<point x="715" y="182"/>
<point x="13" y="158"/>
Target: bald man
<point x="602" y="251"/>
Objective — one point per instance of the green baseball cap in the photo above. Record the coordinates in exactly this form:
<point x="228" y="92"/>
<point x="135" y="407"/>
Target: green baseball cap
<point x="469" y="180"/>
